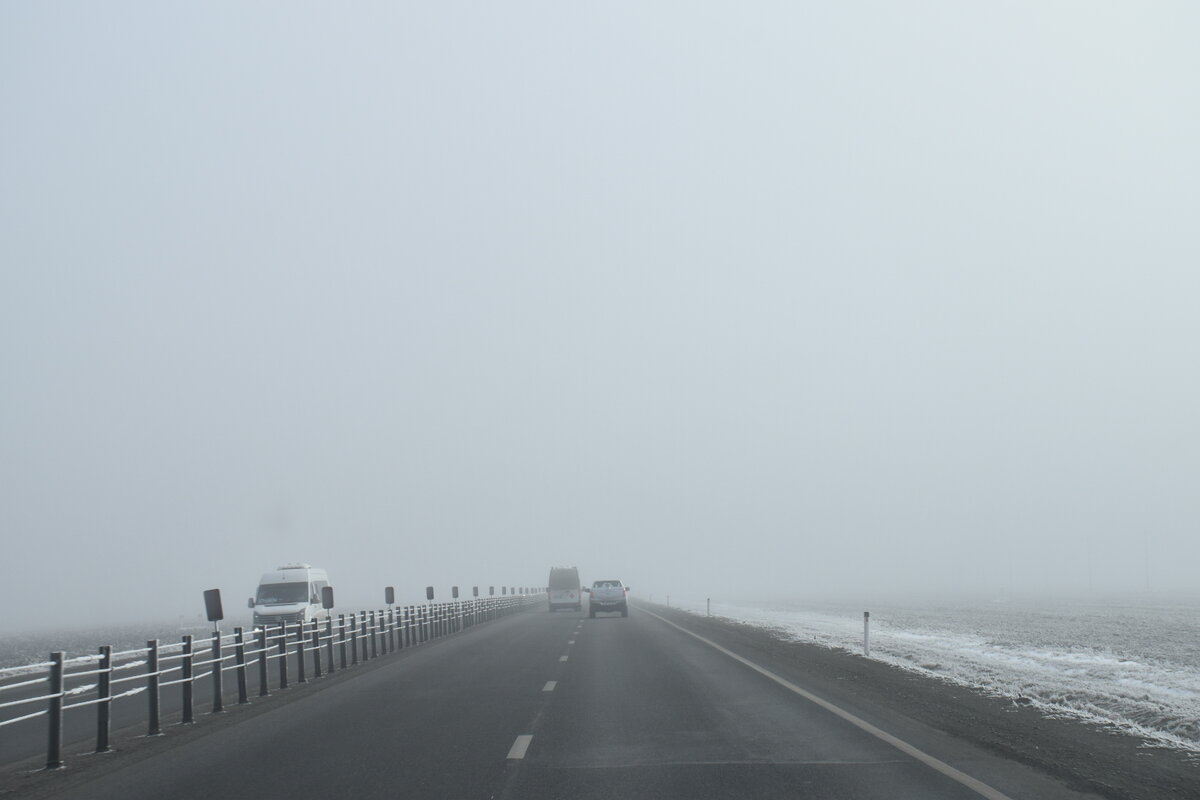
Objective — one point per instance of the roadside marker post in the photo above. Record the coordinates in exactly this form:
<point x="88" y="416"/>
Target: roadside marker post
<point x="866" y="634"/>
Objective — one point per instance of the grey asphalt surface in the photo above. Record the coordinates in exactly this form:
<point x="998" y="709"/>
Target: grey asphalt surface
<point x="639" y="709"/>
<point x="27" y="739"/>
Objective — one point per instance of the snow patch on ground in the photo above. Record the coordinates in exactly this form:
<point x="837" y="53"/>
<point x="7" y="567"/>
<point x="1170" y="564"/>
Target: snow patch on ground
<point x="1062" y="660"/>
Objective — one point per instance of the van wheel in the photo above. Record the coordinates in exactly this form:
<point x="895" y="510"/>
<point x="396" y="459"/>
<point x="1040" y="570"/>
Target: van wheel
<point x="624" y="612"/>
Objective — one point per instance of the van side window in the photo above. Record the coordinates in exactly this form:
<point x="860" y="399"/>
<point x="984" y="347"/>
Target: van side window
<point x="316" y="591"/>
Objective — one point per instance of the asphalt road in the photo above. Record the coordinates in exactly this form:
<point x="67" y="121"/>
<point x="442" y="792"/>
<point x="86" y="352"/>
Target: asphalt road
<point x="541" y="705"/>
<point x="27" y="739"/>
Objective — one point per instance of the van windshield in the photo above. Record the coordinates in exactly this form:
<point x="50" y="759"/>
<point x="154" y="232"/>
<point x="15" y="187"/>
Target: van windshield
<point x="275" y="593"/>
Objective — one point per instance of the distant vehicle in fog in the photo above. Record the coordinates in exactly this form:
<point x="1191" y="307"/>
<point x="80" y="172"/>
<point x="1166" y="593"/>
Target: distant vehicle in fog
<point x="608" y="595"/>
<point x="291" y="593"/>
<point x="564" y="590"/>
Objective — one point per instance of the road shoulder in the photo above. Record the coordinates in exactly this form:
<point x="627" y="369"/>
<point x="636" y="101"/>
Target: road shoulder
<point x="1083" y="757"/>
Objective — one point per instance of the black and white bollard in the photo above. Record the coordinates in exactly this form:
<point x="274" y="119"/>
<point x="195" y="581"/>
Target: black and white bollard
<point x="283" y="654"/>
<point x="57" y="680"/>
<point x="217" y="673"/>
<point x="316" y="648"/>
<point x="329" y="638"/>
<point x="153" y="727"/>
<point x="301" y="675"/>
<point x="867" y="634"/>
<point x="342" y="639"/>
<point x="263" y="689"/>
<point x="239" y="658"/>
<point x="185" y="672"/>
<point x="104" y="699"/>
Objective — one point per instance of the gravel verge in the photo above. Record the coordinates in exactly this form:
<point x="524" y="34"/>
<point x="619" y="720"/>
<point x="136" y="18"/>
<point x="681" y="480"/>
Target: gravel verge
<point x="1086" y="757"/>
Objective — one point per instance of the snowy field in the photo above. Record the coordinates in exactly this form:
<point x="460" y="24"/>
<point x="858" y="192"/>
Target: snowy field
<point x="18" y="649"/>
<point x="1132" y="665"/>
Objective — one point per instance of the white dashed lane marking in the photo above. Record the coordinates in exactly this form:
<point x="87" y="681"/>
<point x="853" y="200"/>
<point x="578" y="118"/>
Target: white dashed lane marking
<point x="549" y="687"/>
<point x="520" y="746"/>
<point x="562" y="658"/>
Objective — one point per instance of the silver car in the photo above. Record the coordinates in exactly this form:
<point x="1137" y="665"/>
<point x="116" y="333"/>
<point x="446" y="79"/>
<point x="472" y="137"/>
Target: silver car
<point x="609" y="595"/>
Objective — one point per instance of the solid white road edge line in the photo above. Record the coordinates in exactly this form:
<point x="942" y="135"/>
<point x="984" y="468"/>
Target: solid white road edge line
<point x="549" y="687"/>
<point x="958" y="776"/>
<point x="520" y="746"/>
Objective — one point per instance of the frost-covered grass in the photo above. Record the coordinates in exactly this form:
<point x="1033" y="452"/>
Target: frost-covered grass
<point x="1132" y="666"/>
<point x="34" y="647"/>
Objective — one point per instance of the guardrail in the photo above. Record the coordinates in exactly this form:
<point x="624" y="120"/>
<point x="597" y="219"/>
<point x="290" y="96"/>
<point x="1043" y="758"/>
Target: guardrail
<point x="327" y="645"/>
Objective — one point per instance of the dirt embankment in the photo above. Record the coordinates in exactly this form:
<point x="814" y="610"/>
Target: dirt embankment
<point x="1087" y="757"/>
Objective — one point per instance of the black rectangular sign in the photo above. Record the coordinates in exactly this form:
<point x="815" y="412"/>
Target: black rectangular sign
<point x="212" y="605"/>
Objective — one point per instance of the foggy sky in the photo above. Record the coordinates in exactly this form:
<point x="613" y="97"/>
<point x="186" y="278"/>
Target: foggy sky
<point x="716" y="298"/>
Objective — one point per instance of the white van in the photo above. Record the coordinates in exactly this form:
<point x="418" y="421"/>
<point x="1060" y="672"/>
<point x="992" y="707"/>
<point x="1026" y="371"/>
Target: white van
<point x="563" y="591"/>
<point x="291" y="593"/>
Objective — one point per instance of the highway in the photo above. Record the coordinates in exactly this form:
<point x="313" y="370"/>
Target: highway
<point x="557" y="705"/>
<point x="27" y="739"/>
